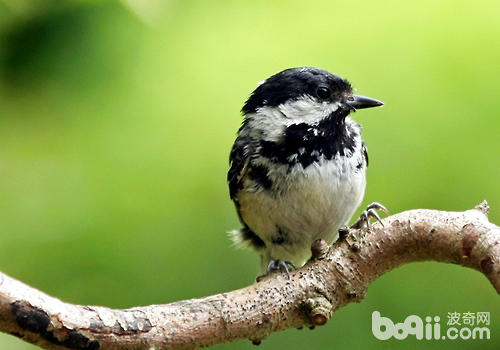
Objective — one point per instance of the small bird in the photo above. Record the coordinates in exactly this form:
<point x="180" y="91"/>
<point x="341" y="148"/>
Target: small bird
<point x="297" y="167"/>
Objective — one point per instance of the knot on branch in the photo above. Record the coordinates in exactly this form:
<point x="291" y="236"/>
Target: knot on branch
<point x="319" y="310"/>
<point x="483" y="207"/>
<point x="319" y="249"/>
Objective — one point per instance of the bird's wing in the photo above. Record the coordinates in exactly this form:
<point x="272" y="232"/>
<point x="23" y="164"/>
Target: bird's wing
<point x="365" y="153"/>
<point x="239" y="160"/>
<point x="240" y="164"/>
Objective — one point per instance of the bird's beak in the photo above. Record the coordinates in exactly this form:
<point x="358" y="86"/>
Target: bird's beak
<point x="359" y="102"/>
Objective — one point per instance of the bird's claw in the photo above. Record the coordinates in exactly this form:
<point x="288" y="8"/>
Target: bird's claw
<point x="370" y="212"/>
<point x="277" y="266"/>
<point x="280" y="266"/>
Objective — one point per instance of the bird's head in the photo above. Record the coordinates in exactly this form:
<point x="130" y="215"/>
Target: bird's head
<point x="302" y="95"/>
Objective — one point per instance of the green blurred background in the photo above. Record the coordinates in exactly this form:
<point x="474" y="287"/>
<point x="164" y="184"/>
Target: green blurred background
<point x="116" y="120"/>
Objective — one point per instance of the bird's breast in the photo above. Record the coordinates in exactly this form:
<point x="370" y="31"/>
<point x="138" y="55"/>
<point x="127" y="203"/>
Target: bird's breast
<point x="303" y="204"/>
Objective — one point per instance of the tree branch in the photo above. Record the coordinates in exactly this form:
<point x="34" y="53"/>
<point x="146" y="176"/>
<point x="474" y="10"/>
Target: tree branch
<point x="334" y="277"/>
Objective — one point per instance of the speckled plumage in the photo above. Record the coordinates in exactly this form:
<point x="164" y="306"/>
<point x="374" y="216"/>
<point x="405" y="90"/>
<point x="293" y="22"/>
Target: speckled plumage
<point x="298" y="164"/>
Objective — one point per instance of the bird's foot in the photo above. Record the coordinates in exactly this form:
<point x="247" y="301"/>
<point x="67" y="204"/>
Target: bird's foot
<point x="369" y="212"/>
<point x="280" y="266"/>
<point x="277" y="266"/>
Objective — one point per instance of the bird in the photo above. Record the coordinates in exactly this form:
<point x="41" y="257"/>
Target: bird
<point x="298" y="166"/>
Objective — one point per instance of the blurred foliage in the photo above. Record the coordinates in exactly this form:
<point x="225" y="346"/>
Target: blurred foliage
<point x="116" y="119"/>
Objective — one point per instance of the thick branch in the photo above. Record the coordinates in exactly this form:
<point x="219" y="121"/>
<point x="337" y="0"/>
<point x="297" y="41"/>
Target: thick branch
<point x="309" y="296"/>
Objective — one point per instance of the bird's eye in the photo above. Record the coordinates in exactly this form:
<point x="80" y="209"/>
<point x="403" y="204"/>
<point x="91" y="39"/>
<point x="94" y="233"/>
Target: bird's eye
<point x="323" y="92"/>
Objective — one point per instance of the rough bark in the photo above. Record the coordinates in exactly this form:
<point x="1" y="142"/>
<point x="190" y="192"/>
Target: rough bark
<point x="334" y="277"/>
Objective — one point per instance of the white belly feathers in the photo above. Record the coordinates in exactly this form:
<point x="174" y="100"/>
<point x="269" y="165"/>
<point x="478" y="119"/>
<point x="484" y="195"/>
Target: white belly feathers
<point x="308" y="204"/>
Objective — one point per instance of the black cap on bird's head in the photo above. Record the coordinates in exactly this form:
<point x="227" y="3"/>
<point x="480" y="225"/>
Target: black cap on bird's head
<point x="295" y="83"/>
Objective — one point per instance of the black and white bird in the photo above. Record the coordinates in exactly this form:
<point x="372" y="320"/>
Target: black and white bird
<point x="297" y="167"/>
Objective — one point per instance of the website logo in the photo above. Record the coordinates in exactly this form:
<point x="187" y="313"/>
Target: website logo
<point x="467" y="325"/>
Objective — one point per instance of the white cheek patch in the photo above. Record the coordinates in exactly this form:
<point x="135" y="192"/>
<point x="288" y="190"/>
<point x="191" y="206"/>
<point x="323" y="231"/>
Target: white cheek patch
<point x="307" y="109"/>
<point x="269" y="123"/>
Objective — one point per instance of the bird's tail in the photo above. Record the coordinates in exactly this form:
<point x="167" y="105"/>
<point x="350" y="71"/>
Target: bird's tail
<point x="247" y="239"/>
